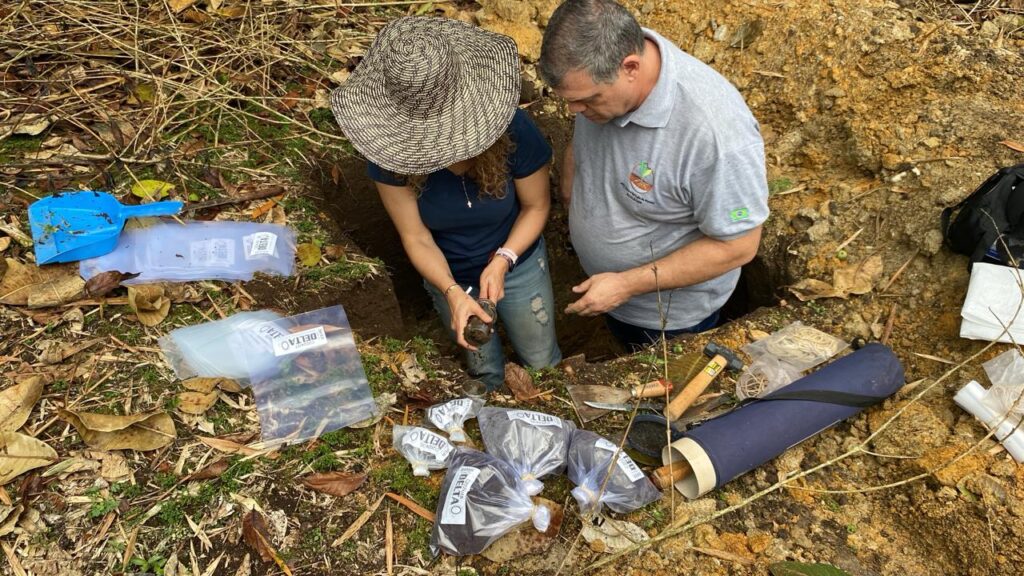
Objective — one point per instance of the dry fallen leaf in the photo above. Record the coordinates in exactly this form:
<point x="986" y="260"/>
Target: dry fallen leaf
<point x="20" y="453"/>
<point x="197" y="402"/>
<point x="254" y="532"/>
<point x="104" y="282"/>
<point x="114" y="467"/>
<point x="308" y="253"/>
<point x="211" y="471"/>
<point x="1013" y="145"/>
<point x="149" y="302"/>
<point x="17" y="401"/>
<point x="5" y="243"/>
<point x="206" y="385"/>
<point x="612" y="535"/>
<point x="49" y="286"/>
<point x="147" y="431"/>
<point x="334" y="483"/>
<point x="232" y="447"/>
<point x="9" y="516"/>
<point x="857" y="278"/>
<point x="53" y="352"/>
<point x="151" y="189"/>
<point x="520" y="382"/>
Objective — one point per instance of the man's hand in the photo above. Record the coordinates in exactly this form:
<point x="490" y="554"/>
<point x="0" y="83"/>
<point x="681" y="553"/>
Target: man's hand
<point x="601" y="293"/>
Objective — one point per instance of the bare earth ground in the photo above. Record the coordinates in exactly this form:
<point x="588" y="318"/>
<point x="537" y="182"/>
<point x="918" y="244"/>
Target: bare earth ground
<point x="875" y="115"/>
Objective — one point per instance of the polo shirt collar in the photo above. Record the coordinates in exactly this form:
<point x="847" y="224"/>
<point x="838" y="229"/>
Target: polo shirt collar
<point x="657" y="107"/>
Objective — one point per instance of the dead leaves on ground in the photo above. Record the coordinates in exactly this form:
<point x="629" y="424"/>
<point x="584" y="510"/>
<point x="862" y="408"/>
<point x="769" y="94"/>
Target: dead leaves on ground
<point x="255" y="534"/>
<point x="149" y="302"/>
<point x="17" y="401"/>
<point x="105" y="282"/>
<point x="853" y="279"/>
<point x="203" y="393"/>
<point x="35" y="287"/>
<point x="205" y="385"/>
<point x="520" y="382"/>
<point x="334" y="483"/>
<point x="147" y="431"/>
<point x="309" y="254"/>
<point x="20" y="453"/>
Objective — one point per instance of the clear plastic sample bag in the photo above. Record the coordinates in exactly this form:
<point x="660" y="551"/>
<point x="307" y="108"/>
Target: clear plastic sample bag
<point x="424" y="450"/>
<point x="535" y="444"/>
<point x="314" y="380"/>
<point x="170" y="252"/>
<point x="209" y="349"/>
<point x="451" y="416"/>
<point x="803" y="347"/>
<point x="627" y="489"/>
<point x="481" y="500"/>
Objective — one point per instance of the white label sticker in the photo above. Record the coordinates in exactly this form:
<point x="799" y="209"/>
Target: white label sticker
<point x="454" y="511"/>
<point x="427" y="441"/>
<point x="212" y="253"/>
<point x="260" y="244"/>
<point x="448" y="415"/>
<point x="624" y="462"/>
<point x="299" y="341"/>
<point x="535" y="418"/>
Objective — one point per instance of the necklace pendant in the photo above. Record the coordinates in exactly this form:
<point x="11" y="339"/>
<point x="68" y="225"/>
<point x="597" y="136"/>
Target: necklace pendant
<point x="469" y="204"/>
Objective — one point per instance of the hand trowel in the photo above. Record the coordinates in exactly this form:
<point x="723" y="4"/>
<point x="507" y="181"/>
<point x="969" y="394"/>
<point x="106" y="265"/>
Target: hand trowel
<point x="679" y="370"/>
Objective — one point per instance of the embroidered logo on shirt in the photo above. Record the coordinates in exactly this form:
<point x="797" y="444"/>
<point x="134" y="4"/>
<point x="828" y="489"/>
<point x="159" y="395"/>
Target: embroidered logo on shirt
<point x="739" y="214"/>
<point x="641" y="178"/>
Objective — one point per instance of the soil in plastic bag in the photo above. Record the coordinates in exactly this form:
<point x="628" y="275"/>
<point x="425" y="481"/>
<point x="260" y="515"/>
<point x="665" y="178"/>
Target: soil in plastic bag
<point x="315" y="381"/>
<point x="170" y="252"/>
<point x="481" y="500"/>
<point x="626" y="489"/>
<point x="535" y="444"/>
<point x="424" y="450"/>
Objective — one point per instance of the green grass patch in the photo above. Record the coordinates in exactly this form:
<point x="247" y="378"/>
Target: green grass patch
<point x="397" y="476"/>
<point x="779" y="185"/>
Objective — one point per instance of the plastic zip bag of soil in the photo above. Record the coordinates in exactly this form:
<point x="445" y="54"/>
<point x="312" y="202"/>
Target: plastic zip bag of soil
<point x="481" y="500"/>
<point x="535" y="444"/>
<point x="315" y="382"/>
<point x="170" y="252"/>
<point x="627" y="489"/>
<point x="452" y="415"/>
<point x="424" y="450"/>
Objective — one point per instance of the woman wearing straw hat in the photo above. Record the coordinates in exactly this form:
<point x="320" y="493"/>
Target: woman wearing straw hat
<point x="463" y="173"/>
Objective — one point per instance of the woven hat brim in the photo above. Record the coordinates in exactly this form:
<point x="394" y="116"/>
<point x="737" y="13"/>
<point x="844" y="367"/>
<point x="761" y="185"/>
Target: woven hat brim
<point x="469" y="119"/>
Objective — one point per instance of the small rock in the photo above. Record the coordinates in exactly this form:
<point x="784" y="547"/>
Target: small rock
<point x="820" y="232"/>
<point x="990" y="29"/>
<point x="932" y="142"/>
<point x="891" y="161"/>
<point x="932" y="242"/>
<point x="701" y="508"/>
<point x="1003" y="468"/>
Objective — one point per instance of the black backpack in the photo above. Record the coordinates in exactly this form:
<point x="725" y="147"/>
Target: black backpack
<point x="992" y="212"/>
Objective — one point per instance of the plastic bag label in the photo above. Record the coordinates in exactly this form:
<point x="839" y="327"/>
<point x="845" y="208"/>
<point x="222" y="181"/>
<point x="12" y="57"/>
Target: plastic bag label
<point x="428" y="442"/>
<point x="535" y="418"/>
<point x="454" y="511"/>
<point x="285" y="344"/>
<point x="446" y="415"/>
<point x="259" y="244"/>
<point x="624" y="462"/>
<point x="213" y="252"/>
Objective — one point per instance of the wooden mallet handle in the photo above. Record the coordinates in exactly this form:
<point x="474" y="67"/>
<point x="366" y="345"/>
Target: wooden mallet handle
<point x="695" y="388"/>
<point x="666" y="476"/>
<point x="653" y="389"/>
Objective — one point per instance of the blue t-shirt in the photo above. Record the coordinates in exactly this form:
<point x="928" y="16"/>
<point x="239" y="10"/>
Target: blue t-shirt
<point x="467" y="236"/>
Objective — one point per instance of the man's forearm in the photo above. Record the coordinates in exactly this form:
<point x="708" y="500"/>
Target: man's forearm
<point x="694" y="263"/>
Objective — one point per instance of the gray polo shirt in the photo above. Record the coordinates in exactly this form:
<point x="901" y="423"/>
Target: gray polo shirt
<point x="688" y="163"/>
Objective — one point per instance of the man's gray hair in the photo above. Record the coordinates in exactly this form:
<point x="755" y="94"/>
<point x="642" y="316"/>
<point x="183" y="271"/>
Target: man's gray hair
<point x="591" y="35"/>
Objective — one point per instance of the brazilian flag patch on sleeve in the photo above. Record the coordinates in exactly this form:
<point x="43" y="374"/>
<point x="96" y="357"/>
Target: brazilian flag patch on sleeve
<point x="739" y="214"/>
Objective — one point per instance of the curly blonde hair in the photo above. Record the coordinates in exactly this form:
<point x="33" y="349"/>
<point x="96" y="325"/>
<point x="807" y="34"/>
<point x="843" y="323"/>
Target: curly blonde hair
<point x="489" y="170"/>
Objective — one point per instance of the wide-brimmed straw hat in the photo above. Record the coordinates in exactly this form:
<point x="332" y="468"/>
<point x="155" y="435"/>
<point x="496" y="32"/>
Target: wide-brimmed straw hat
<point x="430" y="92"/>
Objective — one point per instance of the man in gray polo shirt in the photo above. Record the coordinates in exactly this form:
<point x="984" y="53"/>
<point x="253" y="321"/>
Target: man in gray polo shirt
<point x="665" y="176"/>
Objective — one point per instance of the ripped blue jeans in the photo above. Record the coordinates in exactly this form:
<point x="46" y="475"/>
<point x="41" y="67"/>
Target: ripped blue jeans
<point x="526" y="312"/>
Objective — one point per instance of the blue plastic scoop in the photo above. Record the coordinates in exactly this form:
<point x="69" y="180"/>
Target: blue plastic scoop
<point x="77" y="225"/>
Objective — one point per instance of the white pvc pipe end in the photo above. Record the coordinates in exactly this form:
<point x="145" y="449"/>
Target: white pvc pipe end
<point x="971" y="398"/>
<point x="703" y="479"/>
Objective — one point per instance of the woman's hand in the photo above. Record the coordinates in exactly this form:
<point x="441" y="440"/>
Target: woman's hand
<point x="492" y="280"/>
<point x="462" y="307"/>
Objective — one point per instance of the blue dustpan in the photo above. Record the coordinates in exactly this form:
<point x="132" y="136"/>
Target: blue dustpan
<point x="77" y="225"/>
